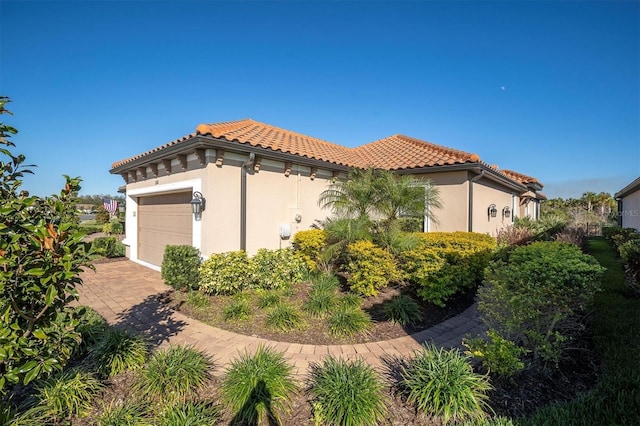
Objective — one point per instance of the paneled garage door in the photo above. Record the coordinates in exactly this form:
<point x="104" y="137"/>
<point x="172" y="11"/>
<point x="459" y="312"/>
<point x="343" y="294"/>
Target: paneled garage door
<point x="163" y="220"/>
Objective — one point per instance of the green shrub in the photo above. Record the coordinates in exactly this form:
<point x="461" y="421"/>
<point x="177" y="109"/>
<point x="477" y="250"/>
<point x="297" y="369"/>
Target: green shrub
<point x="514" y="236"/>
<point x="224" y="273"/>
<point x="346" y="393"/>
<point x="308" y="245"/>
<point x="325" y="282"/>
<point x="90" y="228"/>
<point x="442" y="383"/>
<point x="102" y="215"/>
<point x="370" y="268"/>
<point x="347" y="322"/>
<point x="630" y="255"/>
<point x="122" y="413"/>
<point x="269" y="298"/>
<point x="181" y="267"/>
<point x="67" y="394"/>
<point x="118" y="351"/>
<point x="320" y="302"/>
<point x="174" y="374"/>
<point x="532" y="297"/>
<point x="189" y="414"/>
<point x="108" y="247"/>
<point x="284" y="317"/>
<point x="259" y="387"/>
<point x="411" y="224"/>
<point x="275" y="269"/>
<point x="350" y="301"/>
<point x="237" y="310"/>
<point x="402" y="310"/>
<point x="446" y="263"/>
<point x="116" y="227"/>
<point x="498" y="355"/>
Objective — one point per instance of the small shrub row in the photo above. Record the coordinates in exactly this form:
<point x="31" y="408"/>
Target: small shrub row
<point x="181" y="267"/>
<point x="232" y="272"/>
<point x="370" y="268"/>
<point x="108" y="247"/>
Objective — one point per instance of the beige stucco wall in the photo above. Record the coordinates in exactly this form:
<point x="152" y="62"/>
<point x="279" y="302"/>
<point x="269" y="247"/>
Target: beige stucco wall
<point x="454" y="196"/>
<point x="631" y="211"/>
<point x="485" y="193"/>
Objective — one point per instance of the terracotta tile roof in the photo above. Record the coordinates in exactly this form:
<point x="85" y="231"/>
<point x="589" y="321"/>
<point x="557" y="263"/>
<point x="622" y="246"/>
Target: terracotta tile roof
<point x="160" y="148"/>
<point x="262" y="135"/>
<point x="403" y="152"/>
<point x="519" y="177"/>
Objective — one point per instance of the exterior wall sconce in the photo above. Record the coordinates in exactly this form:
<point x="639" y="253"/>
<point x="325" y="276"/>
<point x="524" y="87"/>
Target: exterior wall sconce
<point x="298" y="218"/>
<point x="197" y="203"/>
<point x="506" y="212"/>
<point x="492" y="211"/>
<point x="121" y="208"/>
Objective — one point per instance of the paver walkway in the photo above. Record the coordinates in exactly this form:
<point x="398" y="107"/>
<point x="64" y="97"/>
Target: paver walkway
<point x="129" y="295"/>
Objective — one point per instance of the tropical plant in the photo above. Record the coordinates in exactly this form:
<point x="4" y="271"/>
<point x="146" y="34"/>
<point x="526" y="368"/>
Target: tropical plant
<point x="174" y="374"/>
<point x="237" y="309"/>
<point x="258" y="387"/>
<point x="320" y="302"/>
<point x="284" y="317"/>
<point x="122" y="413"/>
<point x="41" y="258"/>
<point x="346" y="393"/>
<point x="354" y="197"/>
<point x="442" y="383"/>
<point x="118" y="351"/>
<point x="268" y="298"/>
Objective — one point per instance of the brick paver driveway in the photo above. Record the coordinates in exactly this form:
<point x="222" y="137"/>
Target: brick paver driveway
<point x="129" y="295"/>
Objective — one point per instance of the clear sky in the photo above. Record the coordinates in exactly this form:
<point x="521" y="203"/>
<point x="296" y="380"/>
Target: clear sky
<point x="549" y="89"/>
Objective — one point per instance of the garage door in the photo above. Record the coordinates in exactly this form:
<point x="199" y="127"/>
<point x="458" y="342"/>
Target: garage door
<point x="163" y="220"/>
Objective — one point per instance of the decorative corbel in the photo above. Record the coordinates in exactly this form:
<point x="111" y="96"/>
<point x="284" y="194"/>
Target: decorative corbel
<point x="314" y="171"/>
<point x="167" y="165"/>
<point x="182" y="159"/>
<point x="256" y="164"/>
<point x="143" y="172"/>
<point x="287" y="168"/>
<point x="219" y="157"/>
<point x="133" y="176"/>
<point x="154" y="169"/>
<point x="201" y="154"/>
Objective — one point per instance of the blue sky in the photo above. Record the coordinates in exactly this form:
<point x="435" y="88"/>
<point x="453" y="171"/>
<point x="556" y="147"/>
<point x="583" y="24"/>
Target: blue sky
<point x="549" y="89"/>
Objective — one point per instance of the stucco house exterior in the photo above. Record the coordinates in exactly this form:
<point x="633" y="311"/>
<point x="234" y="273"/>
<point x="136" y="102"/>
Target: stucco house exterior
<point x="629" y="205"/>
<point x="261" y="184"/>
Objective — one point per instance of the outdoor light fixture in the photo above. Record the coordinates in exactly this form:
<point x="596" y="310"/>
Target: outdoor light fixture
<point x="492" y="211"/>
<point x="506" y="212"/>
<point x="121" y="208"/>
<point x="197" y="203"/>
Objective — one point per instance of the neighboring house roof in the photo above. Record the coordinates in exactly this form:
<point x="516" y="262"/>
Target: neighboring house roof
<point x="397" y="152"/>
<point x="629" y="189"/>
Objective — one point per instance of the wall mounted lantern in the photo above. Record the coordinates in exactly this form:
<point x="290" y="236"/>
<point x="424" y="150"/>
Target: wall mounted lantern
<point x="506" y="212"/>
<point x="492" y="211"/>
<point x="197" y="203"/>
<point x="121" y="208"/>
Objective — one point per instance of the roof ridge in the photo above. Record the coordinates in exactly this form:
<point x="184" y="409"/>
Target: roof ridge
<point x="446" y="149"/>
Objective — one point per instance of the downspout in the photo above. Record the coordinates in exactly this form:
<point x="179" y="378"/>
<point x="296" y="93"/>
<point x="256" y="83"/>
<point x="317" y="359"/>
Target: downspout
<point x="243" y="200"/>
<point x="470" y="215"/>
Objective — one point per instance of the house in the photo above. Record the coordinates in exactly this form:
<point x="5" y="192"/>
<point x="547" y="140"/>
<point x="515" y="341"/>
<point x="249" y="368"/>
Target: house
<point x="260" y="185"/>
<point x="629" y="205"/>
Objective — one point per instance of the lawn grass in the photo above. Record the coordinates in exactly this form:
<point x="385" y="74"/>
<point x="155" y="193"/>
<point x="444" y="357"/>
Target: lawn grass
<point x="616" y="398"/>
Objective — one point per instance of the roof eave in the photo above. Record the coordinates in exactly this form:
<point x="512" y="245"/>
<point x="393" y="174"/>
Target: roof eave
<point x="629" y="189"/>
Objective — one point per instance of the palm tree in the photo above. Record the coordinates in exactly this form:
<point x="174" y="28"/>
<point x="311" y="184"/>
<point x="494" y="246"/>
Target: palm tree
<point x="405" y="196"/>
<point x="355" y="197"/>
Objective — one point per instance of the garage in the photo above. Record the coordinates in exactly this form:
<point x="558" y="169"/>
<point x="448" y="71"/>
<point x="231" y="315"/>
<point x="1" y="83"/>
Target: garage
<point x="163" y="220"/>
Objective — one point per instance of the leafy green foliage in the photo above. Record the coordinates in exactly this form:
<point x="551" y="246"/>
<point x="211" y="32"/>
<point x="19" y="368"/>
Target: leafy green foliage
<point x="237" y="309"/>
<point x="181" y="267"/>
<point x="346" y="393"/>
<point x="275" y="269"/>
<point x="442" y="383"/>
<point x="189" y="414"/>
<point x="284" y="317"/>
<point x="174" y="374"/>
<point x="403" y="310"/>
<point x="499" y="355"/>
<point x="41" y="258"/>
<point x="258" y="387"/>
<point x="370" y="268"/>
<point x="123" y="413"/>
<point x="269" y="298"/>
<point x="630" y="256"/>
<point x="68" y="393"/>
<point x="444" y="263"/>
<point x="308" y="244"/>
<point x="198" y="300"/>
<point x="91" y="325"/>
<point x="347" y="321"/>
<point x="224" y="273"/>
<point x="531" y="297"/>
<point x="118" y="351"/>
<point x="320" y="302"/>
<point x="108" y="247"/>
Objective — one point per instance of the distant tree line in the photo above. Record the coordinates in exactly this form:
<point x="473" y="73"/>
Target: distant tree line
<point x="591" y="208"/>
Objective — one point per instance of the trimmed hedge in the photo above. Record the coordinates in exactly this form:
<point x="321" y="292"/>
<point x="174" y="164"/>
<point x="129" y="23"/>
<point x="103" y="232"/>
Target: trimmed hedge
<point x="370" y="268"/>
<point x="108" y="247"/>
<point x="445" y="263"/>
<point x="181" y="267"/>
<point x="308" y="245"/>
